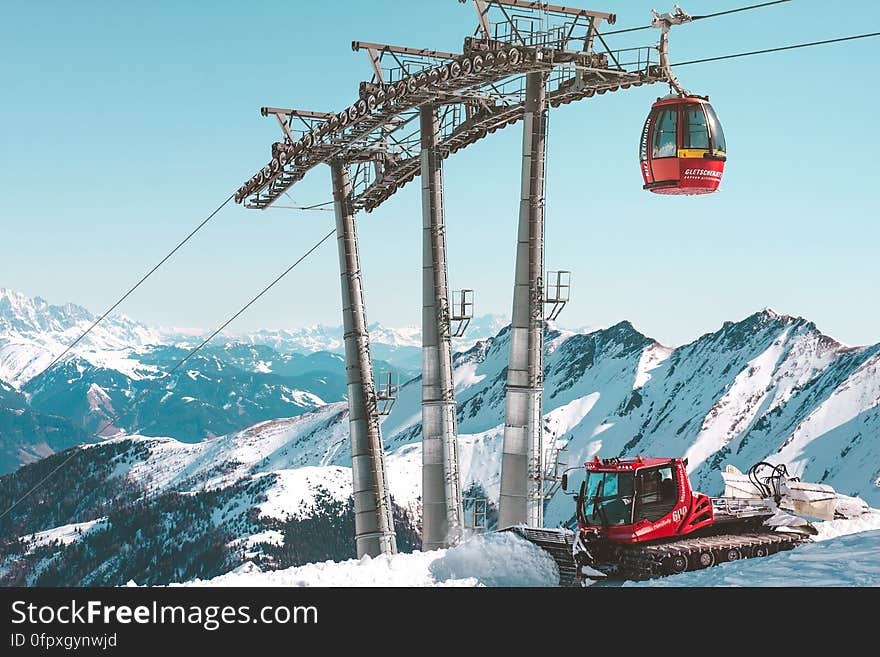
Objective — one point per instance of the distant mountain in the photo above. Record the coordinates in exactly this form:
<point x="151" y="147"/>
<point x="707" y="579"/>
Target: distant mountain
<point x="232" y="383"/>
<point x="27" y="435"/>
<point x="401" y="347"/>
<point x="767" y="387"/>
<point x="33" y="332"/>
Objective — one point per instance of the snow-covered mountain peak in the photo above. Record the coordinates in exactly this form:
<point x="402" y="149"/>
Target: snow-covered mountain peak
<point x="33" y="332"/>
<point x="20" y="313"/>
<point x="406" y="336"/>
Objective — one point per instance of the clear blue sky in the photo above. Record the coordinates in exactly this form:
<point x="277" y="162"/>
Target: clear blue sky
<point x="123" y="124"/>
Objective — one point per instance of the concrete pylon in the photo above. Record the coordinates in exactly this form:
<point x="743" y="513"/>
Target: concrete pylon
<point x="373" y="521"/>
<point x="441" y="487"/>
<point x="522" y="499"/>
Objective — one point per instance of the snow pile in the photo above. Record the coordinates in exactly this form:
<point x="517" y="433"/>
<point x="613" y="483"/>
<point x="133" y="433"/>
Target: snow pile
<point x="484" y="560"/>
<point x="834" y="528"/>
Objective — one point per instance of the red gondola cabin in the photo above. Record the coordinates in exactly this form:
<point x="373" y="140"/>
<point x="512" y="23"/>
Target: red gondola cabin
<point x="682" y="149"/>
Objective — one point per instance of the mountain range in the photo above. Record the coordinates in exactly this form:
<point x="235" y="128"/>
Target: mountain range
<point x="277" y="494"/>
<point x="234" y="382"/>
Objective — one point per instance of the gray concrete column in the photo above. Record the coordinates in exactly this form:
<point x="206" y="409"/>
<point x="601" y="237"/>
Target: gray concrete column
<point x="522" y="500"/>
<point x="441" y="486"/>
<point x="373" y="522"/>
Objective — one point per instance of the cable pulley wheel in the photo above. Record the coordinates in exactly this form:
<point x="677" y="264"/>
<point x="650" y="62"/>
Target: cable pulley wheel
<point x="454" y="70"/>
<point x="443" y="73"/>
<point x="514" y="57"/>
<point x="466" y="66"/>
<point x="477" y="64"/>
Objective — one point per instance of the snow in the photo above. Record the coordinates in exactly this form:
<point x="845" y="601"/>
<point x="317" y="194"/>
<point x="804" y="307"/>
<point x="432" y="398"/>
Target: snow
<point x="841" y="527"/>
<point x="33" y="333"/>
<point x="767" y="388"/>
<point x="329" y="338"/>
<point x="270" y="536"/>
<point x="66" y="534"/>
<point x="733" y="412"/>
<point x="651" y="359"/>
<point x="484" y="560"/>
<point x="847" y="405"/>
<point x="567" y="417"/>
<point x="301" y="398"/>
<point x="466" y="376"/>
<point x="845" y="553"/>
<point x="267" y="447"/>
<point x="295" y="491"/>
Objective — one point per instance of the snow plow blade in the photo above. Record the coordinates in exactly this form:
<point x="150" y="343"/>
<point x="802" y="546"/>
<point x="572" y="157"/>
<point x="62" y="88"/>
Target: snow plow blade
<point x="555" y="542"/>
<point x="766" y="481"/>
<point x="810" y="500"/>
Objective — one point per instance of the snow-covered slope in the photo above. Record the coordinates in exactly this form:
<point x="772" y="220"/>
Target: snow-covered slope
<point x="769" y="387"/>
<point x="849" y="556"/>
<point x="158" y="509"/>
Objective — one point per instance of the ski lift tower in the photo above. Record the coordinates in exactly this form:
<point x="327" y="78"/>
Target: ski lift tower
<point x="420" y="107"/>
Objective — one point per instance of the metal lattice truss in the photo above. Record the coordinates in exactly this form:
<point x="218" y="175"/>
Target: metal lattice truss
<point x="476" y="93"/>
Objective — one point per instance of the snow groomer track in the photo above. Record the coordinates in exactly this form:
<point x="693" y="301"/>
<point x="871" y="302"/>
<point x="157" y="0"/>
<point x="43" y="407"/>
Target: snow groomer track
<point x="646" y="561"/>
<point x="640" y="562"/>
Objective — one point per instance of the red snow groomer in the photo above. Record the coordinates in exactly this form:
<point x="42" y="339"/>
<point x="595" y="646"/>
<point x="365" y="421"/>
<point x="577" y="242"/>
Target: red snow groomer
<point x="640" y="518"/>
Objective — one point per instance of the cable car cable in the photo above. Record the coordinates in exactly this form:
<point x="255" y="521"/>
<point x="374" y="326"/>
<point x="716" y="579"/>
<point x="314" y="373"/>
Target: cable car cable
<point x="152" y="271"/>
<point x="155" y="384"/>
<point x="697" y="18"/>
<point x="768" y="50"/>
<point x="733" y="11"/>
<point x="307" y="207"/>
